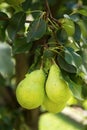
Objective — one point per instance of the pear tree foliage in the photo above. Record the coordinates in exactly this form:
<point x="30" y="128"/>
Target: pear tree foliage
<point x="52" y="40"/>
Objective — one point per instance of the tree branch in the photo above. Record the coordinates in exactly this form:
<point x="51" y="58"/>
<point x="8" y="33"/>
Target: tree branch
<point x="48" y="9"/>
<point x="49" y="14"/>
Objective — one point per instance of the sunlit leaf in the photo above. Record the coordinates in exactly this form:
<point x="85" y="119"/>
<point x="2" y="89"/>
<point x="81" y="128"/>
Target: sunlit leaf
<point x="82" y="11"/>
<point x="75" y="88"/>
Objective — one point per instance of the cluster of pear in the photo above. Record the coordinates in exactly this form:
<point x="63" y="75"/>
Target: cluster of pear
<point x="51" y="93"/>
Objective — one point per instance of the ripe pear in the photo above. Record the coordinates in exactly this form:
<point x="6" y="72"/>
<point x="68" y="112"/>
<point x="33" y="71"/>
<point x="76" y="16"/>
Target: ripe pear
<point x="30" y="91"/>
<point x="57" y="88"/>
<point x="52" y="107"/>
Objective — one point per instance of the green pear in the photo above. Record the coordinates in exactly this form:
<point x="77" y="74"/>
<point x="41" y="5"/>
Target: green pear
<point x="30" y="91"/>
<point x="57" y="88"/>
<point x="52" y="107"/>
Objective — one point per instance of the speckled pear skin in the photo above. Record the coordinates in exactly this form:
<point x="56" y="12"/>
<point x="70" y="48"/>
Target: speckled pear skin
<point x="57" y="88"/>
<point x="30" y="91"/>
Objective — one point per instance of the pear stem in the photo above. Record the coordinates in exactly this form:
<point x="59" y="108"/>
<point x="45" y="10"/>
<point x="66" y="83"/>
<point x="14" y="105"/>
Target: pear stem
<point x="53" y="61"/>
<point x="41" y="66"/>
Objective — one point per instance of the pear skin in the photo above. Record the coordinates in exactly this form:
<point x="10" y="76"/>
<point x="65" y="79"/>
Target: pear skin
<point x="30" y="91"/>
<point x="56" y="87"/>
<point x="52" y="107"/>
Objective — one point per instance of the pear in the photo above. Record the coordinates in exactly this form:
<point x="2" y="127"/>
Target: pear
<point x="30" y="91"/>
<point x="52" y="107"/>
<point x="57" y="88"/>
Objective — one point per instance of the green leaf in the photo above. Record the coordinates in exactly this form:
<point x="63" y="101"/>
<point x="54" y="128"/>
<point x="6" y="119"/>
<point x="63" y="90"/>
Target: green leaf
<point x="2" y="81"/>
<point x="77" y="59"/>
<point x="75" y="88"/>
<point x="20" y="45"/>
<point x="3" y="24"/>
<point x="3" y="18"/>
<point x="48" y="54"/>
<point x="36" y="61"/>
<point x="73" y="58"/>
<point x="36" y="30"/>
<point x="6" y="62"/>
<point x="27" y="4"/>
<point x="77" y="33"/>
<point x="82" y="11"/>
<point x="68" y="25"/>
<point x="16" y="24"/>
<point x="62" y="35"/>
<point x="2" y="34"/>
<point x="83" y="27"/>
<point x="65" y="66"/>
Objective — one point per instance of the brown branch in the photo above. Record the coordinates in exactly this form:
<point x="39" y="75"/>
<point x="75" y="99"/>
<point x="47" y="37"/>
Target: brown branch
<point x="48" y="9"/>
<point x="49" y="14"/>
<point x="4" y="19"/>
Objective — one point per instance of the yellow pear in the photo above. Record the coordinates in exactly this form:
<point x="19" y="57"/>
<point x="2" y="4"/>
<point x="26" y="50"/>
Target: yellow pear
<point x="57" y="88"/>
<point x="52" y="107"/>
<point x="30" y="91"/>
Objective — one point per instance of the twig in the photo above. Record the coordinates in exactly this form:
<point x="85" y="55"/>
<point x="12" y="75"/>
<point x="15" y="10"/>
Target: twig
<point x="49" y="14"/>
<point x="4" y="19"/>
<point x="48" y="9"/>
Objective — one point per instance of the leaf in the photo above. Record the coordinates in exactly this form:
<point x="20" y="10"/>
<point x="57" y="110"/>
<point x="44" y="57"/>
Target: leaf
<point x="77" y="58"/>
<point x="16" y="24"/>
<point x="74" y="17"/>
<point x="48" y="54"/>
<point x="73" y="58"/>
<point x="20" y="45"/>
<point x="6" y="63"/>
<point x="64" y="65"/>
<point x="36" y="59"/>
<point x="26" y="4"/>
<point x="62" y="35"/>
<point x="75" y="88"/>
<point x="3" y="19"/>
<point x="82" y="11"/>
<point x="3" y="24"/>
<point x="68" y="25"/>
<point x="77" y="33"/>
<point x="2" y="34"/>
<point x="2" y="81"/>
<point x="36" y="30"/>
